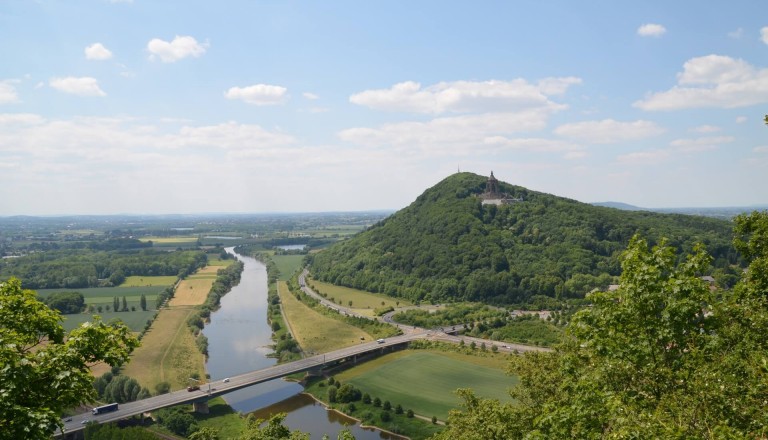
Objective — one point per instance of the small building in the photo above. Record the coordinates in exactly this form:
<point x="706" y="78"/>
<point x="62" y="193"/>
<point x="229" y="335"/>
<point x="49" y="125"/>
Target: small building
<point x="494" y="196"/>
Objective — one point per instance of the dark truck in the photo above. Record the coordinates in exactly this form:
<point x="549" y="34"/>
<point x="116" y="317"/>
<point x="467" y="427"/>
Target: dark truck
<point x="104" y="409"/>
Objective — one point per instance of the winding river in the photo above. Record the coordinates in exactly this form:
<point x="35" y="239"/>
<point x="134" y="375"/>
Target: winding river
<point x="239" y="340"/>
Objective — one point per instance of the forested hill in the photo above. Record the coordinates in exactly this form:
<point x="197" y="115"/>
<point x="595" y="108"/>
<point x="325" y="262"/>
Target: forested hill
<point x="448" y="246"/>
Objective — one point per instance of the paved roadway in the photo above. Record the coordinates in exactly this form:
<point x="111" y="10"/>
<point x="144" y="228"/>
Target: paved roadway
<point x="219" y="387"/>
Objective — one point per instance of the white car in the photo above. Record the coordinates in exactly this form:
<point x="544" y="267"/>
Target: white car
<point x="226" y="380"/>
<point x="380" y="341"/>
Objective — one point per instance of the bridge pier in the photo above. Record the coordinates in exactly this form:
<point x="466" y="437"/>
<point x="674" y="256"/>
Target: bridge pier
<point x="200" y="407"/>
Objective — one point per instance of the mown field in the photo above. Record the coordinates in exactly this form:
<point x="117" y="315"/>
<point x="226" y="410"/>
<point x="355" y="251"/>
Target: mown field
<point x="313" y="331"/>
<point x="363" y="302"/>
<point x="147" y="281"/>
<point x="167" y="240"/>
<point x="287" y="265"/>
<point x="426" y="380"/>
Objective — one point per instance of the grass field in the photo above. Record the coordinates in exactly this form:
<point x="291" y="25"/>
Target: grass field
<point x="105" y="294"/>
<point x="363" y="302"/>
<point x="287" y="265"/>
<point x="134" y="320"/>
<point x="168" y="352"/>
<point x="147" y="281"/>
<point x="426" y="381"/>
<point x="167" y="240"/>
<point x="193" y="290"/>
<point x="222" y="417"/>
<point x="313" y="331"/>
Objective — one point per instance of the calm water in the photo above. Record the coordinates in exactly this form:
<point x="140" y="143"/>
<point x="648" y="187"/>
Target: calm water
<point x="239" y="339"/>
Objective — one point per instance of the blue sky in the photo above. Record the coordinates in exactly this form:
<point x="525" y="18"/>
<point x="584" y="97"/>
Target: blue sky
<point x="278" y="106"/>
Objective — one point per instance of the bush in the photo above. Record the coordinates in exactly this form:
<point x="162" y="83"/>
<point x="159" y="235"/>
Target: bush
<point x="162" y="388"/>
<point x="385" y="416"/>
<point x="409" y="413"/>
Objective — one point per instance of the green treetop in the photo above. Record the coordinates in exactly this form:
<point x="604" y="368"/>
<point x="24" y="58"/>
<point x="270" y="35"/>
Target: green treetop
<point x="42" y="373"/>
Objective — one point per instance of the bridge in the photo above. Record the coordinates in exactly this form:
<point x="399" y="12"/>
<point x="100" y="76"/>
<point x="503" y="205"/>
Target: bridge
<point x="217" y="388"/>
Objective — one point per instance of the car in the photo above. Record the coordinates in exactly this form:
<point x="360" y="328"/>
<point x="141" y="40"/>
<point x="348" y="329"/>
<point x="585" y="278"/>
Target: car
<point x="380" y="341"/>
<point x="226" y="380"/>
<point x="84" y="422"/>
<point x="193" y="388"/>
<point x="68" y="419"/>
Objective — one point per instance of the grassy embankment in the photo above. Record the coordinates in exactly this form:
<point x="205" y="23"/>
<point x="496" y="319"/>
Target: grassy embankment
<point x="363" y="303"/>
<point x="313" y="331"/>
<point x="168" y="352"/>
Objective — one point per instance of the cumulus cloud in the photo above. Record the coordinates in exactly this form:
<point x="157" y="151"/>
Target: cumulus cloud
<point x="701" y="144"/>
<point x="97" y="51"/>
<point x="172" y="51"/>
<point x="609" y="131"/>
<point x="643" y="157"/>
<point x="712" y="81"/>
<point x="651" y="30"/>
<point x="258" y="94"/>
<point x="83" y="86"/>
<point x="310" y="96"/>
<point x="764" y="34"/>
<point x="737" y="34"/>
<point x="8" y="93"/>
<point x="464" y="96"/>
<point x="761" y="149"/>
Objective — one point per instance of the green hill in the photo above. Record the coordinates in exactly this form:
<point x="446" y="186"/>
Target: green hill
<point x="448" y="246"/>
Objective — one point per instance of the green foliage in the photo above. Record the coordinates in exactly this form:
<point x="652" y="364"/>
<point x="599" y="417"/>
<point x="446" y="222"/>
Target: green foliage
<point x="178" y="420"/>
<point x="661" y="357"/>
<point x="447" y="246"/>
<point x="110" y="431"/>
<point x="66" y="302"/>
<point x="272" y="429"/>
<point x="79" y="268"/>
<point x="42" y="372"/>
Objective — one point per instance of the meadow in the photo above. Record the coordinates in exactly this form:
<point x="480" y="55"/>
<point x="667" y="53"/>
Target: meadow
<point x="363" y="302"/>
<point x="426" y="380"/>
<point x="134" y="320"/>
<point x="313" y="331"/>
<point x="287" y="265"/>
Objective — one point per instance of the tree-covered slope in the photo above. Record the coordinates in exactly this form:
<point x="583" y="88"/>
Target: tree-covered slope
<point x="448" y="246"/>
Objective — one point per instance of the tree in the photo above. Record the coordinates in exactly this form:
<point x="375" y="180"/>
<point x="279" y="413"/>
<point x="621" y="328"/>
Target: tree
<point x="143" y="302"/>
<point x="43" y="372"/>
<point x="662" y="356"/>
<point x="273" y="429"/>
<point x="205" y="433"/>
<point x="125" y="304"/>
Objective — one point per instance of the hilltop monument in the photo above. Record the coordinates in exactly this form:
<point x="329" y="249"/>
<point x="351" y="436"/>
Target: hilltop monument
<point x="494" y="196"/>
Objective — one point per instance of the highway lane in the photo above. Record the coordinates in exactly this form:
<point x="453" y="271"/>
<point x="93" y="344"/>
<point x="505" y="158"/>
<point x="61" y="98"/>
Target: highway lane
<point x="220" y="387"/>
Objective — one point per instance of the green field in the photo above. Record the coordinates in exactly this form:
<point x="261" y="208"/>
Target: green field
<point x="135" y="320"/>
<point x="426" y="381"/>
<point x="360" y="298"/>
<point x="287" y="265"/>
<point x="167" y="240"/>
<point x="147" y="281"/>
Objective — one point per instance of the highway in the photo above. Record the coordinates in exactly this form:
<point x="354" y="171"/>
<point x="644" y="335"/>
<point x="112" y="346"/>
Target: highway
<point x="316" y="362"/>
<point x="219" y="387"/>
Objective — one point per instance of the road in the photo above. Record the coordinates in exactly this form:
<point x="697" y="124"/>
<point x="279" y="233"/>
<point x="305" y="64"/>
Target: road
<point x="219" y="387"/>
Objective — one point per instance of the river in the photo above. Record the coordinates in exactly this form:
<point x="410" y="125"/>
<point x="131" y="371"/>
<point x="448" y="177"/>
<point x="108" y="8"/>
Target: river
<point x="239" y="340"/>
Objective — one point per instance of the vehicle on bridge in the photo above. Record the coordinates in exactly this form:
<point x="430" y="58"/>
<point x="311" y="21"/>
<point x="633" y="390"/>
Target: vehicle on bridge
<point x="104" y="409"/>
<point x="193" y="387"/>
<point x="380" y="341"/>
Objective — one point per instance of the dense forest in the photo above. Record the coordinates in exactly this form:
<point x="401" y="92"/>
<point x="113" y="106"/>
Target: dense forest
<point x="448" y="246"/>
<point x="80" y="268"/>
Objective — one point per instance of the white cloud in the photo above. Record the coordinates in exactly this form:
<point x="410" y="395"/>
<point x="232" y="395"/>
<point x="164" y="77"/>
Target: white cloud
<point x="20" y="119"/>
<point x="8" y="93"/>
<point x="83" y="86"/>
<point x="456" y="135"/>
<point x="97" y="51"/>
<point x="258" y="94"/>
<point x="310" y="96"/>
<point x="464" y="96"/>
<point x="706" y="129"/>
<point x="609" y="131"/>
<point x="700" y="144"/>
<point x="764" y="35"/>
<point x="651" y="30"/>
<point x="737" y="34"/>
<point x="181" y="47"/>
<point x="573" y="155"/>
<point x="761" y="149"/>
<point x="741" y="119"/>
<point x="712" y="81"/>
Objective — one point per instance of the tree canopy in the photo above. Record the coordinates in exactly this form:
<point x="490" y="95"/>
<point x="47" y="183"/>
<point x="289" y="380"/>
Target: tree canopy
<point x="448" y="246"/>
<point x="42" y="372"/>
<point x="664" y="356"/>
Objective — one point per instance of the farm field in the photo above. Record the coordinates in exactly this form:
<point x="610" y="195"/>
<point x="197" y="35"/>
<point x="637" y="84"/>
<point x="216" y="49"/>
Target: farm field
<point x="149" y="281"/>
<point x="287" y="265"/>
<point x="362" y="302"/>
<point x="167" y="240"/>
<point x="426" y="380"/>
<point x="167" y="352"/>
<point x="134" y="320"/>
<point x="313" y="331"/>
<point x="193" y="290"/>
<point x="95" y="295"/>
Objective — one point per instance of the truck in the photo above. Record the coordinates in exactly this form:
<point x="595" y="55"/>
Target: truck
<point x="104" y="409"/>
